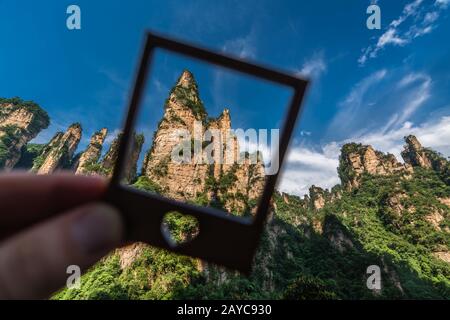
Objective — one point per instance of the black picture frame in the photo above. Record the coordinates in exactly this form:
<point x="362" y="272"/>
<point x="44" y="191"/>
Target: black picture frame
<point x="223" y="239"/>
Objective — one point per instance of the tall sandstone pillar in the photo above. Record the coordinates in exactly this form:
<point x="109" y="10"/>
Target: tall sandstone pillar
<point x="92" y="153"/>
<point x="233" y="185"/>
<point x="110" y="158"/>
<point x="59" y="152"/>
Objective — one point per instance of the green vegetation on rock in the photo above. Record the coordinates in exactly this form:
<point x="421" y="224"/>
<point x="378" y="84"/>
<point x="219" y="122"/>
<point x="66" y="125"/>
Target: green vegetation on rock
<point x="98" y="168"/>
<point x="10" y="135"/>
<point x="188" y="96"/>
<point x="30" y="152"/>
<point x="146" y="184"/>
<point x="41" y="119"/>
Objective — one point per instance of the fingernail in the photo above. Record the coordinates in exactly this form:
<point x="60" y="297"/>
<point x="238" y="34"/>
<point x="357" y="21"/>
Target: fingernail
<point x="97" y="229"/>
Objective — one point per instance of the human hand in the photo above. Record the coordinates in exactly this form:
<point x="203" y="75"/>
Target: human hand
<point x="48" y="223"/>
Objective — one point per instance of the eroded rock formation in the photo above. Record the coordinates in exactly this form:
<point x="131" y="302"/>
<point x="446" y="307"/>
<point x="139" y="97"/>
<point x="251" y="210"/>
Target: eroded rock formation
<point x="59" y="151"/>
<point x="357" y="159"/>
<point x="415" y="154"/>
<point x="183" y="113"/>
<point x="20" y="122"/>
<point x="209" y="171"/>
<point x="418" y="156"/>
<point x="92" y="153"/>
<point x="317" y="197"/>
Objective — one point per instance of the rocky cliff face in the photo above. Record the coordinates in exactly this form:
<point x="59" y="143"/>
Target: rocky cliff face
<point x="317" y="197"/>
<point x="240" y="186"/>
<point x="224" y="141"/>
<point x="208" y="171"/>
<point x="59" y="151"/>
<point x="183" y="111"/>
<point x="417" y="156"/>
<point x="357" y="159"/>
<point x="92" y="153"/>
<point x="20" y="122"/>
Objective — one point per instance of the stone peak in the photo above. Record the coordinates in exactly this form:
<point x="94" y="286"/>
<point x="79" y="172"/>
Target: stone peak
<point x="185" y="95"/>
<point x="415" y="155"/>
<point x="186" y="79"/>
<point x="99" y="135"/>
<point x="225" y="115"/>
<point x="357" y="159"/>
<point x="74" y="127"/>
<point x="413" y="143"/>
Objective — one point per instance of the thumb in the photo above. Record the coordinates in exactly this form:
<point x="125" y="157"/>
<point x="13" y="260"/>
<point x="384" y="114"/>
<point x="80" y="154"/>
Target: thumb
<point x="33" y="263"/>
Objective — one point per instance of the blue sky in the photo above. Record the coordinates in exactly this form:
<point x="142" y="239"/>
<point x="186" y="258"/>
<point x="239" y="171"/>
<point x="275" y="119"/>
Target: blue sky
<point x="372" y="86"/>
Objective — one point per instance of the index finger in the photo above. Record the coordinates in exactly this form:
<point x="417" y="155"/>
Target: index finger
<point x="27" y="198"/>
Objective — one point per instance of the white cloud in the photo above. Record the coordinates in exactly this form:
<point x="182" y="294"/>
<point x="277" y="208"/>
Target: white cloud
<point x="114" y="77"/>
<point x="422" y="17"/>
<point x="159" y="86"/>
<point x="410" y="9"/>
<point x="349" y="109"/>
<point x="359" y="90"/>
<point x="431" y="17"/>
<point x="313" y="67"/>
<point x="305" y="133"/>
<point x="305" y="167"/>
<point x="421" y="93"/>
<point x="242" y="47"/>
<point x="390" y="37"/>
<point x="443" y="3"/>
<point x="375" y="102"/>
